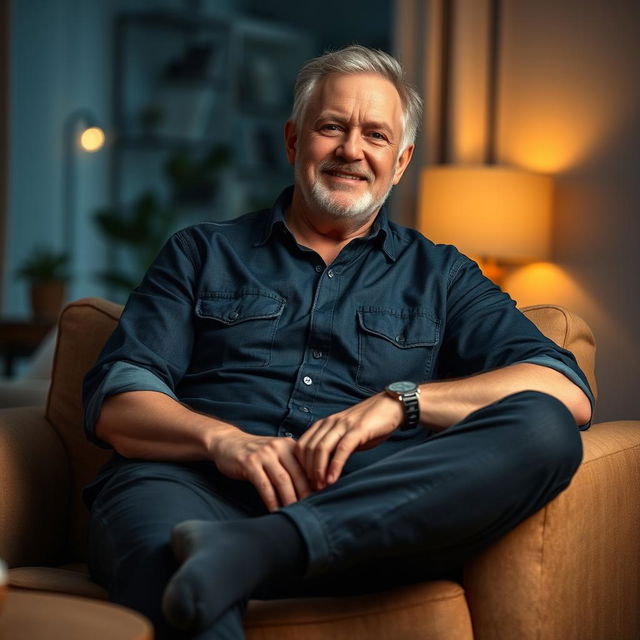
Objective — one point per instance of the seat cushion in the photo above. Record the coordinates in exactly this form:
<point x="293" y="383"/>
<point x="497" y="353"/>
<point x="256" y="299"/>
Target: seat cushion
<point x="70" y="579"/>
<point x="435" y="610"/>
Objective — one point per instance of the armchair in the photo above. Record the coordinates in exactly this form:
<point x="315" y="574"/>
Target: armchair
<point x="572" y="570"/>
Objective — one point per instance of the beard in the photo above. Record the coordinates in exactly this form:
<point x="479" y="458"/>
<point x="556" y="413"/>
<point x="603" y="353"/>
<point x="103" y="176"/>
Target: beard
<point x="320" y="196"/>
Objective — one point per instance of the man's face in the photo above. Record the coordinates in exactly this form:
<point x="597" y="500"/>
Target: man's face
<point x="346" y="152"/>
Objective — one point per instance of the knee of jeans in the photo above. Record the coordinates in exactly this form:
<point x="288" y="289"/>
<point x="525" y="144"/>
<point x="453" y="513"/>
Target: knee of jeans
<point x="551" y="431"/>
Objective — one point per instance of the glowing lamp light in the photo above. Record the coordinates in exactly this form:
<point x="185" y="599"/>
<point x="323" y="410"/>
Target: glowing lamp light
<point x="92" y="139"/>
<point x="80" y="133"/>
<point x="493" y="213"/>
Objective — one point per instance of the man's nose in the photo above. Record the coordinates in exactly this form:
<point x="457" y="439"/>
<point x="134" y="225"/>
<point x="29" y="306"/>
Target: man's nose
<point x="351" y="147"/>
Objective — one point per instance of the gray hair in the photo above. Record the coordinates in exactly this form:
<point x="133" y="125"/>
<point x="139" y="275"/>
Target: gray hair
<point x="358" y="59"/>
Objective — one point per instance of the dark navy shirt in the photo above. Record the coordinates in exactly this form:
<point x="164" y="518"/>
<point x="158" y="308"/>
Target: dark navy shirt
<point x="238" y="321"/>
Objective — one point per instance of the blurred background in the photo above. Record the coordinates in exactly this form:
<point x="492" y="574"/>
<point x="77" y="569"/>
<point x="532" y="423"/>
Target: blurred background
<point x="124" y="120"/>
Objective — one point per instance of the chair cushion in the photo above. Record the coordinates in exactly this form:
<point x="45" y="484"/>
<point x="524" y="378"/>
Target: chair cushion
<point x="70" y="579"/>
<point x="435" y="610"/>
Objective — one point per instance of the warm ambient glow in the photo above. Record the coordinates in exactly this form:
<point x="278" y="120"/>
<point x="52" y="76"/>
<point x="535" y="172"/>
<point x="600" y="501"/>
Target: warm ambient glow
<point x="92" y="139"/>
<point x="487" y="211"/>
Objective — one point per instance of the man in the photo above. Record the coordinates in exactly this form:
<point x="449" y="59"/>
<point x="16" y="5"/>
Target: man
<point x="255" y="391"/>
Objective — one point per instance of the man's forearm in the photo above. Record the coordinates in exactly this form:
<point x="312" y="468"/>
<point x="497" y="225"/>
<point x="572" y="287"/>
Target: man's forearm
<point x="447" y="402"/>
<point x="152" y="426"/>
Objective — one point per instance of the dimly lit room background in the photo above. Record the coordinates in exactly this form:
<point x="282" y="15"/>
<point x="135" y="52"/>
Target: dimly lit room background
<point x="192" y="96"/>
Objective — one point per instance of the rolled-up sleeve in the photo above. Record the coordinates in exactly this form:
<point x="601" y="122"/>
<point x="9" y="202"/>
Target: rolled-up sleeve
<point x="151" y="346"/>
<point x="485" y="330"/>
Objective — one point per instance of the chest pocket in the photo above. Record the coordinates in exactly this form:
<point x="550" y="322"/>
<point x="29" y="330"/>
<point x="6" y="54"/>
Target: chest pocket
<point x="236" y="329"/>
<point x="395" y="345"/>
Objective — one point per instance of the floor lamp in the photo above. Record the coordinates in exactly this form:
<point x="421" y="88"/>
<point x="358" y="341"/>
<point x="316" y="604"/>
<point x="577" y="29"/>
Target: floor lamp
<point x="80" y="133"/>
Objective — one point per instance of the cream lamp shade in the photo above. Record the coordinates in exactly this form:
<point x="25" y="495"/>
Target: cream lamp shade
<point x="487" y="211"/>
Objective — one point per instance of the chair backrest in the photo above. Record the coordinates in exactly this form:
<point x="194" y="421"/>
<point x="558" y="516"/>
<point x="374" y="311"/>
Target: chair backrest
<point x="84" y="327"/>
<point x="569" y="331"/>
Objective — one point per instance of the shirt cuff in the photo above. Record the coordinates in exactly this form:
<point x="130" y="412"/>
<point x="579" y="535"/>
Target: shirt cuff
<point x="572" y="374"/>
<point x="123" y="376"/>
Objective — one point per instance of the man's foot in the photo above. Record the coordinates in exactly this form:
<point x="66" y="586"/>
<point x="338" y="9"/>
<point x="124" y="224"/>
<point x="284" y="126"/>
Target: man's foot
<point x="223" y="563"/>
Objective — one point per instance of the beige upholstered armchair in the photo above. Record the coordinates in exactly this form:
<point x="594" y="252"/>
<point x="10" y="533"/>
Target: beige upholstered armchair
<point x="571" y="571"/>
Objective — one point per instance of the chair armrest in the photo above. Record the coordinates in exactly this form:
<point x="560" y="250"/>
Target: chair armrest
<point x="571" y="570"/>
<point x="23" y="393"/>
<point x="34" y="491"/>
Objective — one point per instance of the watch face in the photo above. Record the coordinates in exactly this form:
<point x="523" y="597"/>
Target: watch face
<point x="404" y="386"/>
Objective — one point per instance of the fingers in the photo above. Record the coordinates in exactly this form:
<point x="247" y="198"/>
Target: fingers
<point x="325" y="448"/>
<point x="347" y="445"/>
<point x="260" y="480"/>
<point x="277" y="475"/>
<point x="315" y="448"/>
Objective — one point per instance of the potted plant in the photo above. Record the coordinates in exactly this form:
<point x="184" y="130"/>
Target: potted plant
<point x="142" y="229"/>
<point x="46" y="271"/>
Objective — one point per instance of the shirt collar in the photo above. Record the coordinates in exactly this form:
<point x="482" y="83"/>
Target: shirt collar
<point x="275" y="217"/>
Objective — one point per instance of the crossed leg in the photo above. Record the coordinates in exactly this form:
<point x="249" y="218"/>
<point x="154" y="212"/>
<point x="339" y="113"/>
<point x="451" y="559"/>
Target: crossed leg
<point x="422" y="511"/>
<point x="131" y="523"/>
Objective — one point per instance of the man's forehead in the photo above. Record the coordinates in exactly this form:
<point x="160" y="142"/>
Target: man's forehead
<point x="371" y="90"/>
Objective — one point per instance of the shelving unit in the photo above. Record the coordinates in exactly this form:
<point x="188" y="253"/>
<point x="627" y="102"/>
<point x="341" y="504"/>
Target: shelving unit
<point x="190" y="84"/>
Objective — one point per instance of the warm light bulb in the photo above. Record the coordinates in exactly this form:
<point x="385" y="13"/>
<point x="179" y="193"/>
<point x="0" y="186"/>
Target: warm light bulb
<point x="92" y="139"/>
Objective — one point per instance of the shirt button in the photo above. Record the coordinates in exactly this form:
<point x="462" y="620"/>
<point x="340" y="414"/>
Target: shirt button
<point x="288" y="434"/>
<point x="400" y="338"/>
<point x="330" y="273"/>
<point x="317" y="354"/>
<point x="305" y="409"/>
<point x="233" y="315"/>
<point x="318" y="268"/>
<point x="307" y="380"/>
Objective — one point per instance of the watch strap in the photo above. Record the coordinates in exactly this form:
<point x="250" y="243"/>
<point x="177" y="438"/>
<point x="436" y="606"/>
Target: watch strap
<point x="407" y="393"/>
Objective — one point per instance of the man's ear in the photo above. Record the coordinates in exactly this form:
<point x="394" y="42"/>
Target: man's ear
<point x="290" y="141"/>
<point x="403" y="163"/>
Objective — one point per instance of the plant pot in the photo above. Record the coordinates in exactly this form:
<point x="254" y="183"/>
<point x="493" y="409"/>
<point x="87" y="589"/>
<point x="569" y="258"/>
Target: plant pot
<point x="47" y="299"/>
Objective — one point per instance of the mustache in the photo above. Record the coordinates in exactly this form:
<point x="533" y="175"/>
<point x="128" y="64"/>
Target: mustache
<point x="345" y="167"/>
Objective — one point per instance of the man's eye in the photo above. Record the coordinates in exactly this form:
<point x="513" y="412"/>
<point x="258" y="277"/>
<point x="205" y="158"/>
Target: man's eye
<point x="376" y="135"/>
<point x="331" y="128"/>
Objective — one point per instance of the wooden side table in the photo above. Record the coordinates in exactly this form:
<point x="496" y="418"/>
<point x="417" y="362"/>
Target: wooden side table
<point x="36" y="615"/>
<point x="20" y="338"/>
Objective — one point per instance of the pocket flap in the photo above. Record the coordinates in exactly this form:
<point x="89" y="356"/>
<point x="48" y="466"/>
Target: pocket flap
<point x="405" y="329"/>
<point x="233" y="308"/>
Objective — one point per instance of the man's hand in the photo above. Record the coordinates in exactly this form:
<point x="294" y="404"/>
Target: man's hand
<point x="326" y="446"/>
<point x="268" y="463"/>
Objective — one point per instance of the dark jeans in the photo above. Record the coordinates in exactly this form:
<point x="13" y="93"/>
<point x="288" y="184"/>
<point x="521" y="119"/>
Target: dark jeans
<point x="417" y="514"/>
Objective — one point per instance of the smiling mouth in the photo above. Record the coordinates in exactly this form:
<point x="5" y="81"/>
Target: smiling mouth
<point x="345" y="176"/>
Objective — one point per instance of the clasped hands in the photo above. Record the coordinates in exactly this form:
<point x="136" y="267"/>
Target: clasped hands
<point x="284" y="470"/>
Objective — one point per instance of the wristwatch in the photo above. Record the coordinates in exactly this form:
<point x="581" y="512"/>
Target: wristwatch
<point x="407" y="393"/>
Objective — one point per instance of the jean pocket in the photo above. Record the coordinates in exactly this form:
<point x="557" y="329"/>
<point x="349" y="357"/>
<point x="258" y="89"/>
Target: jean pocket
<point x="236" y="328"/>
<point x="395" y="344"/>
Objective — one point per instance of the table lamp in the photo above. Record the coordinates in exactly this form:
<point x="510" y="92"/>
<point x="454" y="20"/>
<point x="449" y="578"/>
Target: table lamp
<point x="495" y="214"/>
